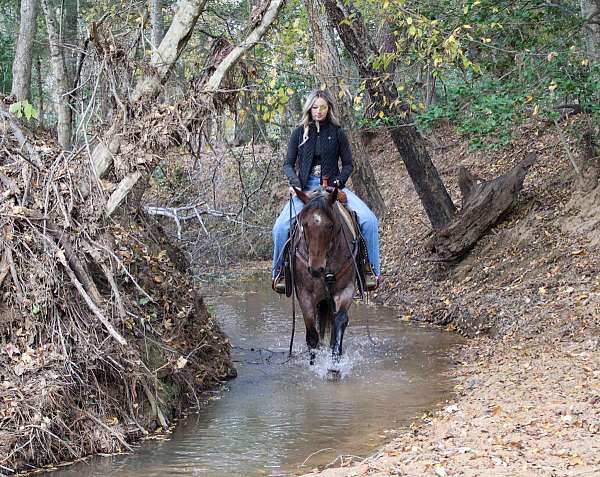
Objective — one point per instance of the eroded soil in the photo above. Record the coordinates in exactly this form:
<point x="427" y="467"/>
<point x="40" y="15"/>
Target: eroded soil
<point x="528" y="384"/>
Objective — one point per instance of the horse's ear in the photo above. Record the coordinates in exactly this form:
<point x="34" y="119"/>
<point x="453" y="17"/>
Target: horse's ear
<point x="303" y="196"/>
<point x="333" y="196"/>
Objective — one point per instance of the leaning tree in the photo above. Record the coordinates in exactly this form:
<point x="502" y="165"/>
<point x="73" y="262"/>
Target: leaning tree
<point x="483" y="202"/>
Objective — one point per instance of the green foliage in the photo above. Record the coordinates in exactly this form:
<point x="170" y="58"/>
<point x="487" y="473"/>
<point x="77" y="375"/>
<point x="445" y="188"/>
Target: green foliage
<point x="518" y="60"/>
<point x="24" y="108"/>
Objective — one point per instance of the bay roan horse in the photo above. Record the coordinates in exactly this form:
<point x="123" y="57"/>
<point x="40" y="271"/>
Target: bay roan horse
<point x="323" y="268"/>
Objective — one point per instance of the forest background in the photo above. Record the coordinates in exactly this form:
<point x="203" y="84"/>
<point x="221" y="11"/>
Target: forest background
<point x="141" y="150"/>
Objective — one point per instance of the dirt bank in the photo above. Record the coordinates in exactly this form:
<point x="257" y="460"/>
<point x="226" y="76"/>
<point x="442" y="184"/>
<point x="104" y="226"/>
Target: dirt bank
<point x="104" y="337"/>
<point x="528" y="392"/>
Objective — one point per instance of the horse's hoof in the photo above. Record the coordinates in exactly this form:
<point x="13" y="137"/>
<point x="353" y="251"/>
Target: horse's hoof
<point x="334" y="374"/>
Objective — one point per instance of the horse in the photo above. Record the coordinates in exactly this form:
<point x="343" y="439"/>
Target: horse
<point x="323" y="259"/>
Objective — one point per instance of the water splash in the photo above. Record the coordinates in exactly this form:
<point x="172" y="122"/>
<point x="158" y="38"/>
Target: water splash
<point x="324" y="363"/>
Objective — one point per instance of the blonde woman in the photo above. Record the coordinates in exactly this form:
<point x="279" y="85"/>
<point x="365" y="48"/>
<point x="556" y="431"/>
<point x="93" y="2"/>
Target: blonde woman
<point x="316" y="148"/>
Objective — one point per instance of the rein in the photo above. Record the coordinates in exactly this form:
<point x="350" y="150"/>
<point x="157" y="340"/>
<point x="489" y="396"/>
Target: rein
<point x="293" y="284"/>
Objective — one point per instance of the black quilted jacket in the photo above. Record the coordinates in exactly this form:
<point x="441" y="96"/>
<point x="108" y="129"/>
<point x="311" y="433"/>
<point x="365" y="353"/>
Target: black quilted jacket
<point x="333" y="145"/>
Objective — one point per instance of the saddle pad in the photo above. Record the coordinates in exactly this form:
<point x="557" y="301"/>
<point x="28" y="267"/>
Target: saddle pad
<point x="352" y="225"/>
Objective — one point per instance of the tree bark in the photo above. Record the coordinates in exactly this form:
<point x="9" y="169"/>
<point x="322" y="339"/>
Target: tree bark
<point x="21" y="82"/>
<point x="170" y="49"/>
<point x="590" y="13"/>
<point x="330" y="73"/>
<point x="70" y="36"/>
<point x="61" y="90"/>
<point x="410" y="144"/>
<point x="40" y="87"/>
<point x="157" y="20"/>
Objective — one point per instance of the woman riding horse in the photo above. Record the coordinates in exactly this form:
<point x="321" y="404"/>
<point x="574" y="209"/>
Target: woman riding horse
<point x="315" y="149"/>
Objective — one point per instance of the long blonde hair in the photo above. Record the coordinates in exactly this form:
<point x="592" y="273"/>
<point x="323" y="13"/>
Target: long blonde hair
<point x="306" y="116"/>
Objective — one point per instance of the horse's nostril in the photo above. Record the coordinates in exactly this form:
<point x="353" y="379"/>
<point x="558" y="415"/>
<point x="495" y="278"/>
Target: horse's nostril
<point x="316" y="272"/>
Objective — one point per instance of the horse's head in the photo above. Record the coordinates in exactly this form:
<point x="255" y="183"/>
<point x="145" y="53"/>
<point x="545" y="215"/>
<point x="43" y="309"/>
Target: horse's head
<point x="318" y="225"/>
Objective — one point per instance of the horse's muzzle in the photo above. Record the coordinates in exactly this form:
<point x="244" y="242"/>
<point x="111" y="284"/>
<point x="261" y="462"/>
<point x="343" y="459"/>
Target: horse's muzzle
<point x="316" y="272"/>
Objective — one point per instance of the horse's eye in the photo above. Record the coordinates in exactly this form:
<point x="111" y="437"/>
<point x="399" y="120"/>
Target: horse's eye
<point x="331" y="227"/>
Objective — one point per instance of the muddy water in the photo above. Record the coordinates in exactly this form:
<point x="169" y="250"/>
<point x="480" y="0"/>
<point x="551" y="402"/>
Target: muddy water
<point x="284" y="417"/>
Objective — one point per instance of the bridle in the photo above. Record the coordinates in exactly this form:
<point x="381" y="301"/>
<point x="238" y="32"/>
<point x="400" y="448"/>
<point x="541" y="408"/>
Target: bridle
<point x="303" y="254"/>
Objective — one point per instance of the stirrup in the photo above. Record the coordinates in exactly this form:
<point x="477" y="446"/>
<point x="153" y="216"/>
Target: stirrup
<point x="371" y="281"/>
<point x="278" y="284"/>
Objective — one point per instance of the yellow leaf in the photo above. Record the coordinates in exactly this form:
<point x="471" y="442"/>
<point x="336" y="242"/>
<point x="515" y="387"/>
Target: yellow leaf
<point x="381" y="114"/>
<point x="112" y="420"/>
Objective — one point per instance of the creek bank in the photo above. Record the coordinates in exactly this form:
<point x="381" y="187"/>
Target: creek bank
<point x="528" y="294"/>
<point x="104" y="337"/>
<point x="527" y="408"/>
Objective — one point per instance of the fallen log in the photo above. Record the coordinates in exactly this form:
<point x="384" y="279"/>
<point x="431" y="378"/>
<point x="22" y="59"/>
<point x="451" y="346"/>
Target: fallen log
<point x="483" y="204"/>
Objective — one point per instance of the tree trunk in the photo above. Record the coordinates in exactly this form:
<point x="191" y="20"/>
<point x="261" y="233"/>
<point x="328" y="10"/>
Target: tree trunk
<point x="590" y="13"/>
<point x="157" y="20"/>
<point x="484" y="203"/>
<point x="21" y="69"/>
<point x="70" y="36"/>
<point x="329" y="71"/>
<point x="40" y="86"/>
<point x="61" y="89"/>
<point x="170" y="48"/>
<point x="410" y="144"/>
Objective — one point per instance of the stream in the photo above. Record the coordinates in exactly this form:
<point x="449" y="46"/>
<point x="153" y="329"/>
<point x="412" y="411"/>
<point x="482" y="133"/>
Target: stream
<point x="282" y="417"/>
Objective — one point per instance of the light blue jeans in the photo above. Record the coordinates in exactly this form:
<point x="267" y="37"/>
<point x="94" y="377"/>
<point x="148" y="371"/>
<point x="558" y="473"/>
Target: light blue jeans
<point x="368" y="223"/>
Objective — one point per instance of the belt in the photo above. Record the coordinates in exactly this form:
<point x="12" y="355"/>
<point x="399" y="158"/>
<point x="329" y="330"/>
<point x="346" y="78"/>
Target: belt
<point x="316" y="171"/>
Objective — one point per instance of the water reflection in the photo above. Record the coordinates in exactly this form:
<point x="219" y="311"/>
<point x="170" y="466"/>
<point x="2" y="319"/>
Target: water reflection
<point x="279" y="413"/>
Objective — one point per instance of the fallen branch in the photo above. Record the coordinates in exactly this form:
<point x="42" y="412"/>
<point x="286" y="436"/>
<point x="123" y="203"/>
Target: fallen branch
<point x="174" y="213"/>
<point x="155" y="408"/>
<point x="112" y="431"/>
<point x="4" y="267"/>
<point x="34" y="158"/>
<point x="90" y="303"/>
<point x="13" y="273"/>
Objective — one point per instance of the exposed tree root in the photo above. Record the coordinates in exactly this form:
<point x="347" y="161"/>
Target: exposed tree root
<point x="98" y="321"/>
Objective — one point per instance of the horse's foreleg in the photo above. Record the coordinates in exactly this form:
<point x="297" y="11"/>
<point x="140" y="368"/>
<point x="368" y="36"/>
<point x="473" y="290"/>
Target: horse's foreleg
<point x="308" y="311"/>
<point x="339" y="327"/>
<point x="340" y="321"/>
<point x="312" y="340"/>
